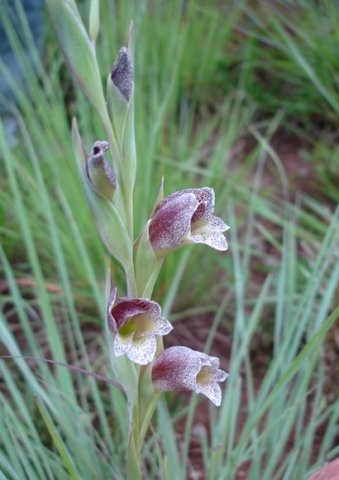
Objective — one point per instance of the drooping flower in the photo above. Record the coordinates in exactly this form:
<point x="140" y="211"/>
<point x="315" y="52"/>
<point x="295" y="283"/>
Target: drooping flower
<point x="187" y="217"/>
<point x="99" y="171"/>
<point x="181" y="369"/>
<point x="136" y="323"/>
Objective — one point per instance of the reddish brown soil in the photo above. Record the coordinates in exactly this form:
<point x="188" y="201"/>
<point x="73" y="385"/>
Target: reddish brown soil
<point x="330" y="471"/>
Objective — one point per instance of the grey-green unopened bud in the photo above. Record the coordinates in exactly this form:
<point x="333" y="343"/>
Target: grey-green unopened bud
<point x="99" y="171"/>
<point x="122" y="73"/>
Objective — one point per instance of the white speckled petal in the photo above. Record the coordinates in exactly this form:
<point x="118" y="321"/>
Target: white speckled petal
<point x="209" y="361"/>
<point x="209" y="231"/>
<point x="217" y="223"/>
<point x="122" y="344"/>
<point x="162" y="326"/>
<point x="220" y="375"/>
<point x="212" y="391"/>
<point x="214" y="239"/>
<point x="142" y="349"/>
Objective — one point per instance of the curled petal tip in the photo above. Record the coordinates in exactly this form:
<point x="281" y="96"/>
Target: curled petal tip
<point x="99" y="148"/>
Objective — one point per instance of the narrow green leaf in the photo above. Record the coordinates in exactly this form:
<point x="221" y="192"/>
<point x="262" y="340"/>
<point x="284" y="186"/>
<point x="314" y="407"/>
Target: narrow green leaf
<point x="57" y="440"/>
<point x="79" y="51"/>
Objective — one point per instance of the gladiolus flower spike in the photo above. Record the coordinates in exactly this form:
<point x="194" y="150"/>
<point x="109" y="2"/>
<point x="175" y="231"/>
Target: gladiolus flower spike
<point x="187" y="217"/>
<point x="181" y="369"/>
<point x="136" y="323"/>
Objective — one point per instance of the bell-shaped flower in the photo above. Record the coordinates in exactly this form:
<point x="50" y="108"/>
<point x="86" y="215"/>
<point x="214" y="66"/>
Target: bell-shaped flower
<point x="181" y="369"/>
<point x="136" y="323"/>
<point x="99" y="171"/>
<point x="187" y="217"/>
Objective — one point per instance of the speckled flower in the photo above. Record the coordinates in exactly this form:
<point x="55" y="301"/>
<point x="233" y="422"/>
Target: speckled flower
<point x="181" y="369"/>
<point x="187" y="217"/>
<point x="136" y="323"/>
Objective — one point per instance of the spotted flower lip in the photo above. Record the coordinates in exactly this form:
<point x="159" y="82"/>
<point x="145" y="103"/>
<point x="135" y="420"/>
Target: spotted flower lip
<point x="136" y="323"/>
<point x="186" y="217"/>
<point x="181" y="369"/>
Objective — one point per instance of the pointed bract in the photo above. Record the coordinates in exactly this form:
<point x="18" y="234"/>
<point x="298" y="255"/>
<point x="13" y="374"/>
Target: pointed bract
<point x="136" y="322"/>
<point x="78" y="49"/>
<point x="186" y="217"/>
<point x="182" y="369"/>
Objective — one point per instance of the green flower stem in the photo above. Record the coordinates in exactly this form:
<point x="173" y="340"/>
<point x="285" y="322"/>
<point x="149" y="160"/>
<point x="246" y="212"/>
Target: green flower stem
<point x="144" y="403"/>
<point x="128" y="197"/>
<point x="133" y="455"/>
<point x="147" y="417"/>
<point x="140" y="419"/>
<point x="132" y="290"/>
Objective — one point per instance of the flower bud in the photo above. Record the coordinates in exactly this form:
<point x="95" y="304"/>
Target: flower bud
<point x="181" y="369"/>
<point x="187" y="217"/>
<point x="122" y="74"/>
<point x="120" y="105"/>
<point x="99" y="171"/>
<point x="107" y="218"/>
<point x="136" y="323"/>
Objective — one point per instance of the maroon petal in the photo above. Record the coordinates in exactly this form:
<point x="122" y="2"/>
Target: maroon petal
<point x="143" y="349"/>
<point x="127" y="308"/>
<point x="176" y="369"/>
<point x="172" y="220"/>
